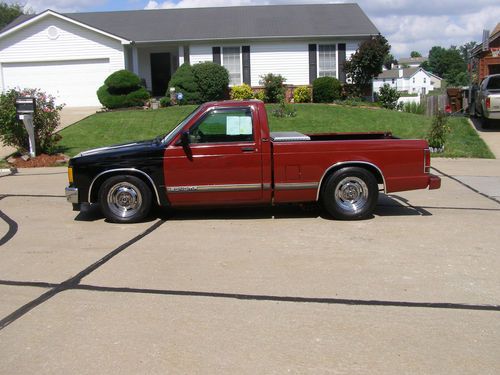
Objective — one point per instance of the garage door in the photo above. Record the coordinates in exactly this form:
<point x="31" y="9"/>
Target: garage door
<point x="72" y="82"/>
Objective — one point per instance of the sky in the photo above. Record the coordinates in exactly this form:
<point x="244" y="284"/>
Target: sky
<point x="408" y="25"/>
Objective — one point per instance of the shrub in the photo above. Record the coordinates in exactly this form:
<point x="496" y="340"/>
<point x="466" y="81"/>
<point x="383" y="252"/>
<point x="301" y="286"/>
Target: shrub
<point x="122" y="82"/>
<point x="184" y="81"/>
<point x="122" y="89"/>
<point x="284" y="109"/>
<point x="388" y="96"/>
<point x="212" y="80"/>
<point x="302" y="94"/>
<point x="241" y="92"/>
<point x="413" y="107"/>
<point x="165" y="101"/>
<point x="273" y="87"/>
<point x="439" y="130"/>
<point x="46" y="120"/>
<point x="260" y="95"/>
<point x="326" y="89"/>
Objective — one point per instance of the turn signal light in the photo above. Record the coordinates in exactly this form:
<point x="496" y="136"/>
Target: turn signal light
<point x="70" y="175"/>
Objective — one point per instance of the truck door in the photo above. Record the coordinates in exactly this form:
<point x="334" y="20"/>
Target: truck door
<point x="219" y="162"/>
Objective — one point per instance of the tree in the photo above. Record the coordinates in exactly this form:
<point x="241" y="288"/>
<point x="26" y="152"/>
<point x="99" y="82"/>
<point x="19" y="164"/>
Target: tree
<point x="448" y="64"/>
<point x="9" y="12"/>
<point x="367" y="62"/>
<point x="466" y="50"/>
<point x="415" y="54"/>
<point x="389" y="60"/>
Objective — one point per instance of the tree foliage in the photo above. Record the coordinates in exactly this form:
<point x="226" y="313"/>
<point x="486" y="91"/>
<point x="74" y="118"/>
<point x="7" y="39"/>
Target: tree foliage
<point x="389" y="60"/>
<point x="388" y="97"/>
<point x="9" y="12"/>
<point x="368" y="60"/>
<point x="415" y="54"/>
<point x="449" y="63"/>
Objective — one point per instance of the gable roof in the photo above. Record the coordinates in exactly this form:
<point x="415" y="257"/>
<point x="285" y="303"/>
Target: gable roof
<point x="237" y="22"/>
<point x="412" y="60"/>
<point x="407" y="73"/>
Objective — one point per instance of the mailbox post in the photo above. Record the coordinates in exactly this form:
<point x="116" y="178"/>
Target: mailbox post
<point x="25" y="108"/>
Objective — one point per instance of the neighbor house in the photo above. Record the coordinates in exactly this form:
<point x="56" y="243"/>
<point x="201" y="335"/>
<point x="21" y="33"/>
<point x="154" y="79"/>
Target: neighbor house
<point x="409" y="80"/>
<point x="410" y="62"/>
<point x="70" y="55"/>
<point x="485" y="58"/>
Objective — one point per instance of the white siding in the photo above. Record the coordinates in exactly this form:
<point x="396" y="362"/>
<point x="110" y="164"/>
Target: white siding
<point x="291" y="60"/>
<point x="200" y="53"/>
<point x="73" y="44"/>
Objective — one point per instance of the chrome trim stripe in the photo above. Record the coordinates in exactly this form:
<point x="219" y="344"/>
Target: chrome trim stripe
<point x="356" y="162"/>
<point x="267" y="186"/>
<point x="296" y="185"/>
<point x="213" y="188"/>
<point x="125" y="170"/>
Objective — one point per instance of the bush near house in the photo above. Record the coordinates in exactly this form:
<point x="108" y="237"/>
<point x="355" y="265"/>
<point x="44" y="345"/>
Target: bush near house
<point x="326" y="89"/>
<point x="241" y="92"/>
<point x="274" y="88"/>
<point x="302" y="94"/>
<point x="388" y="96"/>
<point x="212" y="80"/>
<point x="122" y="89"/>
<point x="184" y="81"/>
<point x="46" y="120"/>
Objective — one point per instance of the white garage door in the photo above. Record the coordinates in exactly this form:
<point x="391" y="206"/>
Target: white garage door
<point x="72" y="82"/>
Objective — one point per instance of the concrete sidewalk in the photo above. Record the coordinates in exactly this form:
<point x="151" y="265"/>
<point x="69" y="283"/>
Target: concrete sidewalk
<point x="490" y="136"/>
<point x="69" y="116"/>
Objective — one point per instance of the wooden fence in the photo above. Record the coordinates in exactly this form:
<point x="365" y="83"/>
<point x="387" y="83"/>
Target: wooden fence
<point x="434" y="103"/>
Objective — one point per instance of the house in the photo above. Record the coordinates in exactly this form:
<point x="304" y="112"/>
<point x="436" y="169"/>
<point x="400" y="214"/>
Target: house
<point x="411" y="62"/>
<point x="70" y="55"/>
<point x="486" y="61"/>
<point x="410" y="80"/>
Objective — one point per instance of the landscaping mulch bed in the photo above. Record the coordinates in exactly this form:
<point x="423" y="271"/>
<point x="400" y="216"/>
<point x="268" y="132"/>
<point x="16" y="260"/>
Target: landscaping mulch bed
<point x="42" y="160"/>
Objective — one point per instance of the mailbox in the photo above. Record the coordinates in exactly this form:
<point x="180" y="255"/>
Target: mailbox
<point x="25" y="106"/>
<point x="25" y="109"/>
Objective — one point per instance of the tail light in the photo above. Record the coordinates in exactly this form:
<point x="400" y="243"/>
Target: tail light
<point x="427" y="161"/>
<point x="488" y="103"/>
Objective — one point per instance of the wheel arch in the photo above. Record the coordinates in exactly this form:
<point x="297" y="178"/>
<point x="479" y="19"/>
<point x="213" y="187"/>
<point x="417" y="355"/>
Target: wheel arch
<point x="98" y="180"/>
<point x="375" y="170"/>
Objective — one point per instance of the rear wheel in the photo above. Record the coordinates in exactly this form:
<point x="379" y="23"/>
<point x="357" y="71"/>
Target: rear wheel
<point x="125" y="199"/>
<point x="350" y="193"/>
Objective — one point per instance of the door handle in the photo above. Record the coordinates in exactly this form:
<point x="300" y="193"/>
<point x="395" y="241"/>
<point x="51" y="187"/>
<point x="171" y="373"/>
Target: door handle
<point x="248" y="149"/>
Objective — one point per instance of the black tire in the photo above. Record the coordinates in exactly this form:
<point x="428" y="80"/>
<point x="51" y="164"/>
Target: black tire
<point x="350" y="193"/>
<point x="125" y="199"/>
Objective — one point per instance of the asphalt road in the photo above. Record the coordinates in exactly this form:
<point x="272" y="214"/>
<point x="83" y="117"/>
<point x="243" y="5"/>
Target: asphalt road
<point x="414" y="290"/>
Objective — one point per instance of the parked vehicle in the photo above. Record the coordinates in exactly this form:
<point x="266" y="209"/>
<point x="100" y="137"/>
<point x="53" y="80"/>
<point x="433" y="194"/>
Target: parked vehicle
<point x="223" y="154"/>
<point x="487" y="100"/>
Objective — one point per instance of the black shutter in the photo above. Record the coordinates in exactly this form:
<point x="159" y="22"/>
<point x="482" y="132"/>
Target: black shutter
<point x="216" y="55"/>
<point x="186" y="54"/>
<point x="245" y="52"/>
<point x="341" y="52"/>
<point x="313" y="68"/>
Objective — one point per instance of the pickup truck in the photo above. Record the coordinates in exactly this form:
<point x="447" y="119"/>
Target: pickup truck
<point x="224" y="154"/>
<point x="487" y="101"/>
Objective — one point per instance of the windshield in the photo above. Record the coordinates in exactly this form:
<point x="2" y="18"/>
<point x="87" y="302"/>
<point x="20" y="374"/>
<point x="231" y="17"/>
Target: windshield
<point x="173" y="133"/>
<point x="494" y="83"/>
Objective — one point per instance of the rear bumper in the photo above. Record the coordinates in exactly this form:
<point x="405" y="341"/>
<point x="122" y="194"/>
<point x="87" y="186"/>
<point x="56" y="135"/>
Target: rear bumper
<point x="72" y="195"/>
<point x="434" y="182"/>
<point x="492" y="115"/>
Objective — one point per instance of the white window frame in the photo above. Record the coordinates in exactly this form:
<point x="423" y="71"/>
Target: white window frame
<point x="336" y="58"/>
<point x="241" y="62"/>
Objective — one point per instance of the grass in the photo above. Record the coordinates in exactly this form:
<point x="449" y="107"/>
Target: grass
<point x="122" y="126"/>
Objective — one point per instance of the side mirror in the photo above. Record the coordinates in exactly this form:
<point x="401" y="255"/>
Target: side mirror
<point x="183" y="140"/>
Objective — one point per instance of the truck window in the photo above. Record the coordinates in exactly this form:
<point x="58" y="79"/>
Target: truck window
<point x="223" y="125"/>
<point x="494" y="83"/>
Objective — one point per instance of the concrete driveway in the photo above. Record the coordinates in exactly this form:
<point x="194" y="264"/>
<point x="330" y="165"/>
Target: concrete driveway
<point x="414" y="290"/>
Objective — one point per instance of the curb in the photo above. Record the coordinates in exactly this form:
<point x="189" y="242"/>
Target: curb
<point x="8" y="171"/>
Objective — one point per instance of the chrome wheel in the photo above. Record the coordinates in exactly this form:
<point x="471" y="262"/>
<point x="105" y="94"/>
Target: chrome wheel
<point x="351" y="194"/>
<point x="124" y="199"/>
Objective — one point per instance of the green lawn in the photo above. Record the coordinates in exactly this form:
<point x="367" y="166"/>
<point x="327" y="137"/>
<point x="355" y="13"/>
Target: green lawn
<point x="116" y="127"/>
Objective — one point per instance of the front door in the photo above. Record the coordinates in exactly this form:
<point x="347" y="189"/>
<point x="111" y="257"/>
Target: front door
<point x="221" y="165"/>
<point x="160" y="73"/>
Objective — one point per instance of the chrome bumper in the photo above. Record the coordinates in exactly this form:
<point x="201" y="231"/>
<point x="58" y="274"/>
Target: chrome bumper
<point x="72" y="195"/>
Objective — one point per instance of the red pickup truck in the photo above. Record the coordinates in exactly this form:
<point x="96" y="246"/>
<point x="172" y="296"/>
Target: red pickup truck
<point x="224" y="154"/>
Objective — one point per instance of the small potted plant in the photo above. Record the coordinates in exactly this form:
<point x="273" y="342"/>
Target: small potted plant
<point x="438" y="132"/>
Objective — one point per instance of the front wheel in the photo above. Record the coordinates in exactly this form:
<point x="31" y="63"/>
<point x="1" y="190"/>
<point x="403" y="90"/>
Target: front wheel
<point x="350" y="193"/>
<point x="125" y="199"/>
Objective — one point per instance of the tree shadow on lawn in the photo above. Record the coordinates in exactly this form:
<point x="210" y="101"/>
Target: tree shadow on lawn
<point x="387" y="206"/>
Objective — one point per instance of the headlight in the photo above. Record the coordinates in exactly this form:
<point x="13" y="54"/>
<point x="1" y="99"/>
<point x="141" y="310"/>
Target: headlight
<point x="70" y="174"/>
